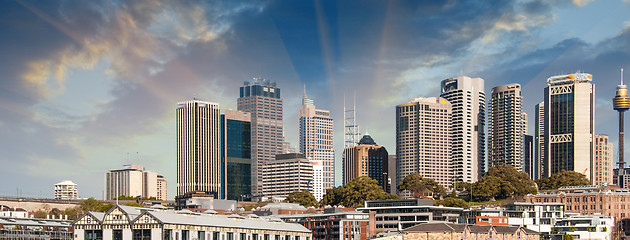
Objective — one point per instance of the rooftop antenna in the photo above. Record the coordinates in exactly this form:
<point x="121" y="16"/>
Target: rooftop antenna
<point x="621" y="76"/>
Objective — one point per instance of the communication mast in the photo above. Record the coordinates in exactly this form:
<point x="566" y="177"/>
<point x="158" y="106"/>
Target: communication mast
<point x="351" y="129"/>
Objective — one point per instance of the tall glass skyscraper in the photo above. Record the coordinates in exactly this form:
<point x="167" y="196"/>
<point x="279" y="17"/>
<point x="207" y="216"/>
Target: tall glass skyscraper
<point x="261" y="98"/>
<point x="569" y="124"/>
<point x="198" y="160"/>
<point x="469" y="113"/>
<point x="236" y="155"/>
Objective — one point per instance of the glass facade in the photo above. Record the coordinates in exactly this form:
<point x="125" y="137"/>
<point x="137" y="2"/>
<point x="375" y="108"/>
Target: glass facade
<point x="236" y="159"/>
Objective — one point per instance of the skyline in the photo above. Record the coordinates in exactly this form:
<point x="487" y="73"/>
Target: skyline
<point x="85" y="83"/>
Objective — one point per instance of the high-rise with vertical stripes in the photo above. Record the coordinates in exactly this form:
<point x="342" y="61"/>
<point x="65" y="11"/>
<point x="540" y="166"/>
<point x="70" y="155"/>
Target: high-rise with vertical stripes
<point x="507" y="126"/>
<point x="198" y="152"/>
<point x="316" y="139"/>
<point x="469" y="112"/>
<point x="261" y="98"/>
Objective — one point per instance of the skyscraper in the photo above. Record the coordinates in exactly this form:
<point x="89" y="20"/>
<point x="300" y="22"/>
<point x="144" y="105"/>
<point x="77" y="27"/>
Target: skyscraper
<point x="288" y="173"/>
<point x="468" y="99"/>
<point x="621" y="103"/>
<point x="539" y="142"/>
<point x="424" y="138"/>
<point x="198" y="156"/>
<point x="366" y="159"/>
<point x="506" y="126"/>
<point x="316" y="138"/>
<point x="530" y="165"/>
<point x="261" y="98"/>
<point x="236" y="155"/>
<point x="569" y="124"/>
<point x="603" y="164"/>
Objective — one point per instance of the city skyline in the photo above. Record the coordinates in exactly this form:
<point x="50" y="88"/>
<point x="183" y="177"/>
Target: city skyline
<point x="86" y="83"/>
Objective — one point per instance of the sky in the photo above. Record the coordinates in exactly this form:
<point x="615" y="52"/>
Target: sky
<point x="88" y="86"/>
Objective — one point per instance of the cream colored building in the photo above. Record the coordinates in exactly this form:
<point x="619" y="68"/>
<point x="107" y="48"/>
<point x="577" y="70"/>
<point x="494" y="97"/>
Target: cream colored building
<point x="569" y="124"/>
<point x="132" y="181"/>
<point x="603" y="165"/>
<point x="507" y="126"/>
<point x="198" y="147"/>
<point x="66" y="190"/>
<point x="316" y="139"/>
<point x="287" y="173"/>
<point x="539" y="141"/>
<point x="424" y="139"/>
<point x="161" y="188"/>
<point x="468" y="99"/>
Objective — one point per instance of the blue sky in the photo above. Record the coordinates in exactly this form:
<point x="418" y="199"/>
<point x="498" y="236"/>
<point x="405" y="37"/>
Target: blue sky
<point x="87" y="86"/>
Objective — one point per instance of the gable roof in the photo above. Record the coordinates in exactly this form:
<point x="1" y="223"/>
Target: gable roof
<point x="506" y="229"/>
<point x="436" y="227"/>
<point x="479" y="228"/>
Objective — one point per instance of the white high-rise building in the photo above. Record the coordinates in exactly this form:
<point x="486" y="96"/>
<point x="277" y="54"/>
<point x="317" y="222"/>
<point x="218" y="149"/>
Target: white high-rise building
<point x="132" y="181"/>
<point x="316" y="139"/>
<point x="66" y="190"/>
<point x="198" y="147"/>
<point x="468" y="99"/>
<point x="507" y="128"/>
<point x="569" y="124"/>
<point x="288" y="173"/>
<point x="423" y="139"/>
<point x="539" y="142"/>
<point x="261" y="98"/>
<point x="161" y="188"/>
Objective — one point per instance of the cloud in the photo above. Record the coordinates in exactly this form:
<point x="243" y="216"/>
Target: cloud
<point x="581" y="3"/>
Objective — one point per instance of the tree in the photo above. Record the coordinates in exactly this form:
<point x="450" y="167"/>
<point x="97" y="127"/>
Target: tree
<point x="451" y="202"/>
<point x="520" y="184"/>
<point x="355" y="193"/>
<point x="562" y="179"/>
<point x="90" y="204"/>
<point x="72" y="213"/>
<point x="304" y="198"/>
<point x="133" y="204"/>
<point x="39" y="214"/>
<point x="420" y="186"/>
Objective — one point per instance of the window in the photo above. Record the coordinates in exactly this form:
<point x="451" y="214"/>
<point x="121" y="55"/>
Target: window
<point x="201" y="235"/>
<point x="185" y="235"/>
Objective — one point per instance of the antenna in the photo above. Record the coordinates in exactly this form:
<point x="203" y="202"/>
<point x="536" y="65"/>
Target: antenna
<point x="621" y="76"/>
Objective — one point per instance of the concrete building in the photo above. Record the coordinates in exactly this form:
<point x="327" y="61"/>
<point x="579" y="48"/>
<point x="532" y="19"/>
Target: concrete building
<point x="507" y="130"/>
<point x="127" y="223"/>
<point x="336" y="225"/>
<point x="605" y="199"/>
<point x="66" y="190"/>
<point x="366" y="159"/>
<point x="603" y="165"/>
<point x="395" y="215"/>
<point x="539" y="142"/>
<point x="539" y="217"/>
<point x="468" y="101"/>
<point x="287" y="173"/>
<point x="569" y="124"/>
<point x="530" y="165"/>
<point x="236" y="155"/>
<point x="261" y="98"/>
<point x="424" y="139"/>
<point x="198" y="156"/>
<point x="161" y="188"/>
<point x="316" y="138"/>
<point x="132" y="181"/>
<point x="392" y="174"/>
<point x="590" y="226"/>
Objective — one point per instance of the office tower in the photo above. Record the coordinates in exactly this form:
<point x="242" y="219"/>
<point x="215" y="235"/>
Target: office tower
<point x="316" y="138"/>
<point x="132" y="181"/>
<point x="468" y="99"/>
<point x="261" y="98"/>
<point x="539" y="141"/>
<point x="621" y="103"/>
<point x="161" y="188"/>
<point x="66" y="190"/>
<point x="198" y="156"/>
<point x="366" y="159"/>
<point x="287" y="173"/>
<point x="391" y="176"/>
<point x="424" y="139"/>
<point x="236" y="155"/>
<point x="529" y="163"/>
<point x="603" y="164"/>
<point x="569" y="124"/>
<point x="506" y="126"/>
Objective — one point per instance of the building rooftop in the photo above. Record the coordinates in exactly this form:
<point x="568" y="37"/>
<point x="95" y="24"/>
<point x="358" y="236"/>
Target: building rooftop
<point x="66" y="182"/>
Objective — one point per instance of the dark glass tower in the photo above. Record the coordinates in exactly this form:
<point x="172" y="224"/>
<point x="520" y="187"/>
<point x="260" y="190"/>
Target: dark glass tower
<point x="236" y="155"/>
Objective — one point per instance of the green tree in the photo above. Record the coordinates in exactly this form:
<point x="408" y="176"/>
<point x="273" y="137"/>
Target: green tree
<point x="487" y="188"/>
<point x="562" y="179"/>
<point x="420" y="186"/>
<point x="133" y="204"/>
<point x="304" y="198"/>
<point x="451" y="202"/>
<point x="72" y="213"/>
<point x="90" y="204"/>
<point x="518" y="183"/>
<point x="355" y="193"/>
<point x="39" y="214"/>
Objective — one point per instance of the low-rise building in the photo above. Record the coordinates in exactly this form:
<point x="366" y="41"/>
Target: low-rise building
<point x="280" y="208"/>
<point x="66" y="190"/>
<point x="33" y="228"/>
<point x="126" y="223"/>
<point x="337" y="225"/>
<point x="430" y="231"/>
<point x="538" y="217"/>
<point x="593" y="227"/>
<point x="605" y="199"/>
<point x="395" y="215"/>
